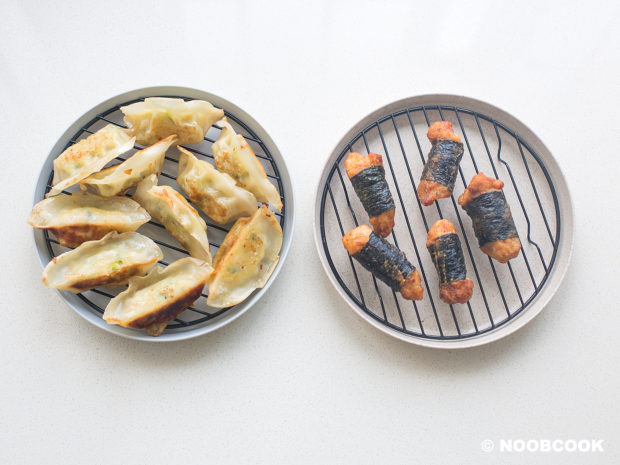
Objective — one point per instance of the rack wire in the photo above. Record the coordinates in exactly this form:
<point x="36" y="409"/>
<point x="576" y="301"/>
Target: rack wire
<point x="501" y="291"/>
<point x="97" y="299"/>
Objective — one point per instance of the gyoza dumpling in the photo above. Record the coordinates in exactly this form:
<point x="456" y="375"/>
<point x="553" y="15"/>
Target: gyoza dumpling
<point x="89" y="156"/>
<point x="150" y="302"/>
<point x="159" y="117"/>
<point x="213" y="192"/>
<point x="82" y="217"/>
<point x="180" y="219"/>
<point x="246" y="259"/>
<point x="110" y="261"/>
<point x="234" y="156"/>
<point x="119" y="178"/>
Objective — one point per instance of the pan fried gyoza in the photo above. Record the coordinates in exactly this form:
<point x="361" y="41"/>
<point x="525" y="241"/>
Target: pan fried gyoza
<point x="110" y="261"/>
<point x="213" y="192"/>
<point x="82" y="217"/>
<point x="89" y="156"/>
<point x="158" y="117"/>
<point x="119" y="178"/>
<point x="179" y="218"/>
<point x="150" y="302"/>
<point x="246" y="259"/>
<point x="234" y="156"/>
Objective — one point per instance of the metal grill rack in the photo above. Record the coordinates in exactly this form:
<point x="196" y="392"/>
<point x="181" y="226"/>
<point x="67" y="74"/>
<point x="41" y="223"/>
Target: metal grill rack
<point x="501" y="291"/>
<point x="97" y="299"/>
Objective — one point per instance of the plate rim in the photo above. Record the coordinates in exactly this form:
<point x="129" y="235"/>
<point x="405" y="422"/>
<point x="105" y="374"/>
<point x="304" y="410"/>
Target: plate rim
<point x="565" y="247"/>
<point x="227" y="317"/>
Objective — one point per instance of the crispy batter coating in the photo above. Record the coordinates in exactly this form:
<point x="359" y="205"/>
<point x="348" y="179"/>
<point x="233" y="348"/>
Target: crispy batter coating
<point x="440" y="228"/>
<point x="429" y="191"/>
<point x="384" y="223"/>
<point x="356" y="239"/>
<point x="480" y="184"/>
<point x="442" y="130"/>
<point x="411" y="288"/>
<point x="456" y="292"/>
<point x="502" y="250"/>
<point x="356" y="162"/>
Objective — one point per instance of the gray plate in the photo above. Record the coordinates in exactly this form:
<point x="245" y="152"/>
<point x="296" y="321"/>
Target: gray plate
<point x="78" y="302"/>
<point x="506" y="297"/>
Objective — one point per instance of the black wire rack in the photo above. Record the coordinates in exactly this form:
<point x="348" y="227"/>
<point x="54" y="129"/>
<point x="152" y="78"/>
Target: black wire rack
<point x="501" y="291"/>
<point x="199" y="312"/>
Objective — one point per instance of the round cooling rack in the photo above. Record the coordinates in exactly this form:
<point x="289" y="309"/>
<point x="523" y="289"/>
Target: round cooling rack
<point x="199" y="318"/>
<point x="506" y="296"/>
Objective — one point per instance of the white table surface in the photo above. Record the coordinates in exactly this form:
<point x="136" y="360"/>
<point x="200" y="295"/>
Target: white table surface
<point x="301" y="378"/>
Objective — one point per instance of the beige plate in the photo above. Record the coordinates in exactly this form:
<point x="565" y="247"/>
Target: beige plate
<point x="200" y="319"/>
<point x="506" y="297"/>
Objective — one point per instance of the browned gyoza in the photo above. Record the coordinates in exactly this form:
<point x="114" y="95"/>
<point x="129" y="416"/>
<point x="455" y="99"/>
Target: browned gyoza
<point x="486" y="205"/>
<point x="82" y="217"/>
<point x="445" y="248"/>
<point x="367" y="176"/>
<point x="150" y="302"/>
<point x="110" y="261"/>
<point x="384" y="261"/>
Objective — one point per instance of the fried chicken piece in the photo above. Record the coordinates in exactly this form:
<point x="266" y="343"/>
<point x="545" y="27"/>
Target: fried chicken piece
<point x="439" y="174"/>
<point x="485" y="203"/>
<point x="445" y="249"/>
<point x="368" y="178"/>
<point x="384" y="261"/>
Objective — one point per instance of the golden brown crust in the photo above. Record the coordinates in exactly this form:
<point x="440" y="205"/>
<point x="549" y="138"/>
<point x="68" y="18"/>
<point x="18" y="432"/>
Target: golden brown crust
<point x="79" y="150"/>
<point x="356" y="239"/>
<point x="502" y="250"/>
<point x="167" y="313"/>
<point x="207" y="201"/>
<point x="357" y="162"/>
<point x="113" y="279"/>
<point x="438" y="229"/>
<point x="411" y="288"/>
<point x="384" y="223"/>
<point x="456" y="292"/>
<point x="479" y="184"/>
<point x="169" y="196"/>
<point x="231" y="238"/>
<point x="229" y="241"/>
<point x="442" y="130"/>
<point x="76" y="234"/>
<point x="429" y="191"/>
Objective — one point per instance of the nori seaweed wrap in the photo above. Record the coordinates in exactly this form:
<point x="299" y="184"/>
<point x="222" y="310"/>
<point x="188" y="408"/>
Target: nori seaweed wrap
<point x="444" y="246"/>
<point x="491" y="217"/>
<point x="443" y="162"/>
<point x="385" y="261"/>
<point x="448" y="258"/>
<point x="373" y="191"/>
<point x="367" y="176"/>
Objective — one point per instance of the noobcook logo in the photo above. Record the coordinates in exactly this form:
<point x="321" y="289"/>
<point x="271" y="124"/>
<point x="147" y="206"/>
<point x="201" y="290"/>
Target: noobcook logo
<point x="544" y="445"/>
